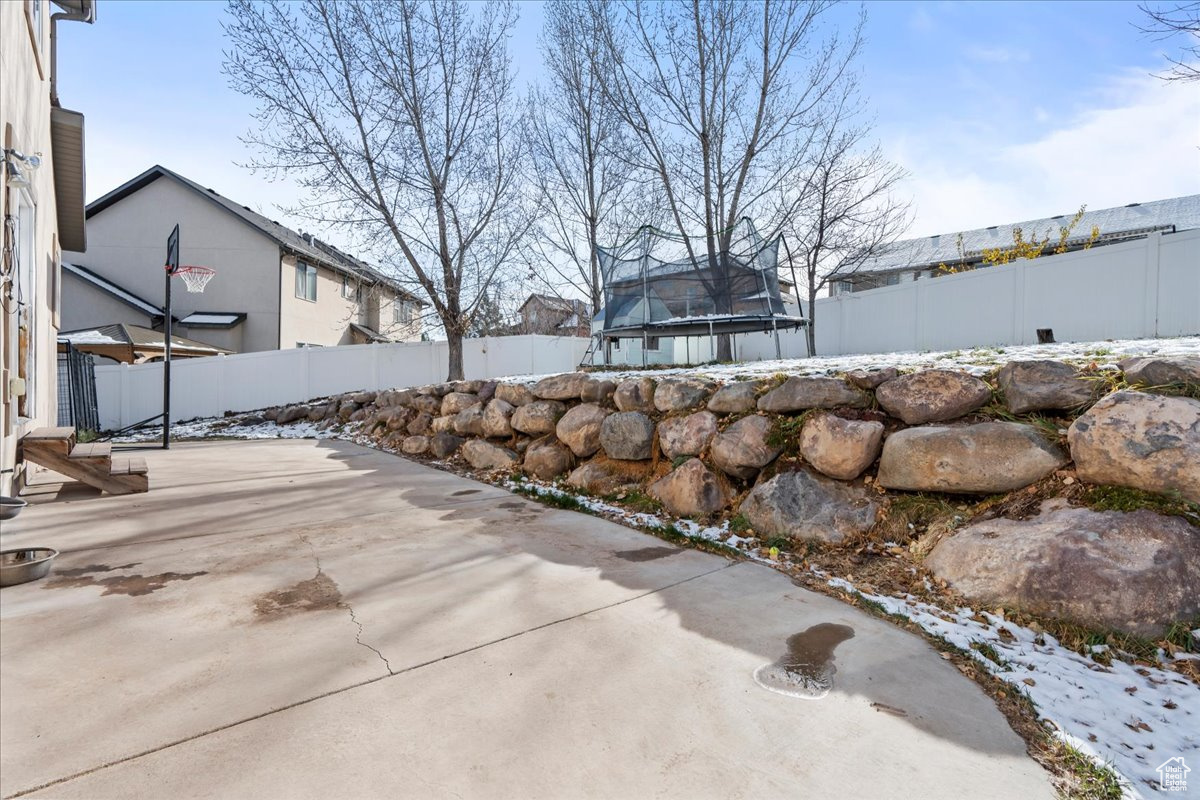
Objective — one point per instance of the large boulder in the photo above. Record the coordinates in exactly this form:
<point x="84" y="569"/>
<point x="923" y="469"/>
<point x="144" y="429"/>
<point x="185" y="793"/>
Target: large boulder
<point x="871" y="378"/>
<point x="364" y="398"/>
<point x="679" y="394"/>
<point x="1156" y="371"/>
<point x="487" y="391"/>
<point x="428" y="404"/>
<point x="419" y="425"/>
<point x="735" y="398"/>
<point x="687" y="436"/>
<point x="805" y="505"/>
<point x="456" y="402"/>
<point x="482" y="454"/>
<point x="742" y="450"/>
<point x="800" y="393"/>
<point x="627" y="436"/>
<point x="537" y="418"/>
<point x="561" y="387"/>
<point x="604" y="477"/>
<point x="1043" y="385"/>
<point x="840" y="448"/>
<point x="691" y="490"/>
<point x="399" y="418"/>
<point x="443" y="424"/>
<point x="579" y="429"/>
<point x="496" y="416"/>
<point x="1142" y="440"/>
<point x="547" y="458"/>
<point x="346" y="409"/>
<point x="635" y="394"/>
<point x="598" y="391"/>
<point x="1135" y="572"/>
<point x="934" y="395"/>
<point x="515" y="394"/>
<point x="443" y="445"/>
<point x="469" y="421"/>
<point x="320" y="411"/>
<point x="984" y="458"/>
<point x="291" y="414"/>
<point x="415" y="445"/>
<point x="404" y="397"/>
<point x="466" y="387"/>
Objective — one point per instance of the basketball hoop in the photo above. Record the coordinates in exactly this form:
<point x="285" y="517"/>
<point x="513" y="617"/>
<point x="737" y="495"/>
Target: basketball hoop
<point x="195" y="278"/>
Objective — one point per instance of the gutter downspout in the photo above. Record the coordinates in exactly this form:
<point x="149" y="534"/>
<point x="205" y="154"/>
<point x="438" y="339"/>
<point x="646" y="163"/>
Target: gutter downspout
<point x="86" y="13"/>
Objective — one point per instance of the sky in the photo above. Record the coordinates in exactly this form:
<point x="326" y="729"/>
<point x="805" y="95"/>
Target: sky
<point x="1000" y="112"/>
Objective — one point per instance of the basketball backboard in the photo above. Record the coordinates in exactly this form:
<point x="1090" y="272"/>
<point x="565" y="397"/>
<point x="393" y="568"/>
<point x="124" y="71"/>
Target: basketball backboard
<point x="172" y="264"/>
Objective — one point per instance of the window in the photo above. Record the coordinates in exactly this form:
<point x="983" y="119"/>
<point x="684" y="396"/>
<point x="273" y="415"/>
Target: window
<point x="651" y="342"/>
<point x="24" y="341"/>
<point x="402" y="312"/>
<point x="351" y="290"/>
<point x="616" y="344"/>
<point x="306" y="281"/>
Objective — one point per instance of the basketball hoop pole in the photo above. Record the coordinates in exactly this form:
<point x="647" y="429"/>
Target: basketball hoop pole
<point x="172" y="265"/>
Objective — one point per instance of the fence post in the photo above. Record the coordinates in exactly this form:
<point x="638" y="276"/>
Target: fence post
<point x="1150" y="301"/>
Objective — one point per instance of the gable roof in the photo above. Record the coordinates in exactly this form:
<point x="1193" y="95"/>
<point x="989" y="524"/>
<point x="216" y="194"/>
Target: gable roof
<point x="108" y="287"/>
<point x="1116" y="224"/>
<point x="302" y="245"/>
<point x="558" y="303"/>
<point x="128" y="341"/>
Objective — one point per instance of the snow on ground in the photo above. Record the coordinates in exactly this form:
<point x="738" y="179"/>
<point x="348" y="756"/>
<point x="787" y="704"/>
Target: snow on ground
<point x="977" y="360"/>
<point x="1129" y="718"/>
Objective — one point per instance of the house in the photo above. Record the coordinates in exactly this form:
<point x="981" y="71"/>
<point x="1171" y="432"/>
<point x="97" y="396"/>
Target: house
<point x="914" y="259"/>
<point x="133" y="344"/>
<point x="42" y="204"/>
<point x="554" y="316"/>
<point x="275" y="288"/>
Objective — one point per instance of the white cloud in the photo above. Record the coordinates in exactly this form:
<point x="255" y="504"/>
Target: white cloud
<point x="1139" y="142"/>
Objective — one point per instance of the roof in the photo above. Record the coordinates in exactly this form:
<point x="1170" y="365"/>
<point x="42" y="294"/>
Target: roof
<point x="107" y="286"/>
<point x="1115" y="224"/>
<point x="129" y="340"/>
<point x="301" y="245"/>
<point x="370" y="334"/>
<point x="213" y="319"/>
<point x="559" y="303"/>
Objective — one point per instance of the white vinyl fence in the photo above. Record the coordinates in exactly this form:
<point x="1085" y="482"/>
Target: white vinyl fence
<point x="1133" y="290"/>
<point x="208" y="387"/>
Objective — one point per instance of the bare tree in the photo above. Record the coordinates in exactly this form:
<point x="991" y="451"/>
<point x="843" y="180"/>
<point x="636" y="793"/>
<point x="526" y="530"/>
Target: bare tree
<point x="399" y="118"/>
<point x="849" y="212"/>
<point x="588" y="192"/>
<point x="1167" y="21"/>
<point x="722" y="98"/>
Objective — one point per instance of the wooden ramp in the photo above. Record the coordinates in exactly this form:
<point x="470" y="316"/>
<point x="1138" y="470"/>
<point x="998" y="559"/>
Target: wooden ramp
<point x="93" y="464"/>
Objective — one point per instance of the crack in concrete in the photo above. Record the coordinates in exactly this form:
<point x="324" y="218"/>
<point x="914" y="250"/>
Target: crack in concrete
<point x="360" y="684"/>
<point x="343" y="604"/>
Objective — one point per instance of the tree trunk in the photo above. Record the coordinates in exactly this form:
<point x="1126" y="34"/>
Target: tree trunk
<point x="724" y="347"/>
<point x="455" y="341"/>
<point x="810" y="331"/>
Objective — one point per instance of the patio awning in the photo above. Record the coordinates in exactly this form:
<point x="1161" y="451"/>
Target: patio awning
<point x="133" y="344"/>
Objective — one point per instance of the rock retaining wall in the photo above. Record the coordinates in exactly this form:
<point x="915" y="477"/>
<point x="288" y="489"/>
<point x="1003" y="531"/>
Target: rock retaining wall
<point x="813" y="458"/>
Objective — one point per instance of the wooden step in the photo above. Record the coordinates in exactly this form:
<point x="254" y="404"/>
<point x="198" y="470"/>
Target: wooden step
<point x="92" y="450"/>
<point x="58" y="440"/>
<point x="91" y="462"/>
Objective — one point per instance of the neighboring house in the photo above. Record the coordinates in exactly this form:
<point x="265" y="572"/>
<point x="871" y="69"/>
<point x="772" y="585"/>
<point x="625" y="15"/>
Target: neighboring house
<point x="274" y="288"/>
<point x="41" y="202"/>
<point x="914" y="259"/>
<point x="554" y="316"/>
<point x="133" y="344"/>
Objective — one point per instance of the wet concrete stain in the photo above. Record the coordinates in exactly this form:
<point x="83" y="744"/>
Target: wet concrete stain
<point x="512" y="506"/>
<point x="646" y="553"/>
<point x="465" y="491"/>
<point x="128" y="585"/>
<point x="319" y="593"/>
<point x="92" y="569"/>
<point x="807" y="669"/>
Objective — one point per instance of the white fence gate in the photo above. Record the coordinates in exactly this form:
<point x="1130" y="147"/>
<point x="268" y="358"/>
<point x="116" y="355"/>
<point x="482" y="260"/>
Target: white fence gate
<point x="208" y="387"/>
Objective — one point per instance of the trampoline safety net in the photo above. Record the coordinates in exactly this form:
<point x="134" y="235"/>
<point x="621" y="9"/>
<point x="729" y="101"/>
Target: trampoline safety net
<point x="654" y="280"/>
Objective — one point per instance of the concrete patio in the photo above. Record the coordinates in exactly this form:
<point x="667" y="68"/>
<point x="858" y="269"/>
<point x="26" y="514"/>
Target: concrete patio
<point x="313" y="619"/>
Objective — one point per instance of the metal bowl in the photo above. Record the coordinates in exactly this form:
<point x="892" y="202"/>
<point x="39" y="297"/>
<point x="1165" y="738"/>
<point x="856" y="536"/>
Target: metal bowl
<point x="24" y="565"/>
<point x="10" y="506"/>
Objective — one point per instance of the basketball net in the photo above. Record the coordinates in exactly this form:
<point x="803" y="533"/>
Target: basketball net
<point x="195" y="278"/>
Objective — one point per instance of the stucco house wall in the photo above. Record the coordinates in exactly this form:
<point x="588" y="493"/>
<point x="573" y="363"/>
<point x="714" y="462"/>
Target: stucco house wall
<point x="25" y="126"/>
<point x="127" y="244"/>
<point x="85" y="306"/>
<point x="323" y="322"/>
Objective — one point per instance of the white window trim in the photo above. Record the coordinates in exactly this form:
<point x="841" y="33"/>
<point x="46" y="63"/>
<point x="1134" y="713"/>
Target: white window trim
<point x="310" y="274"/>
